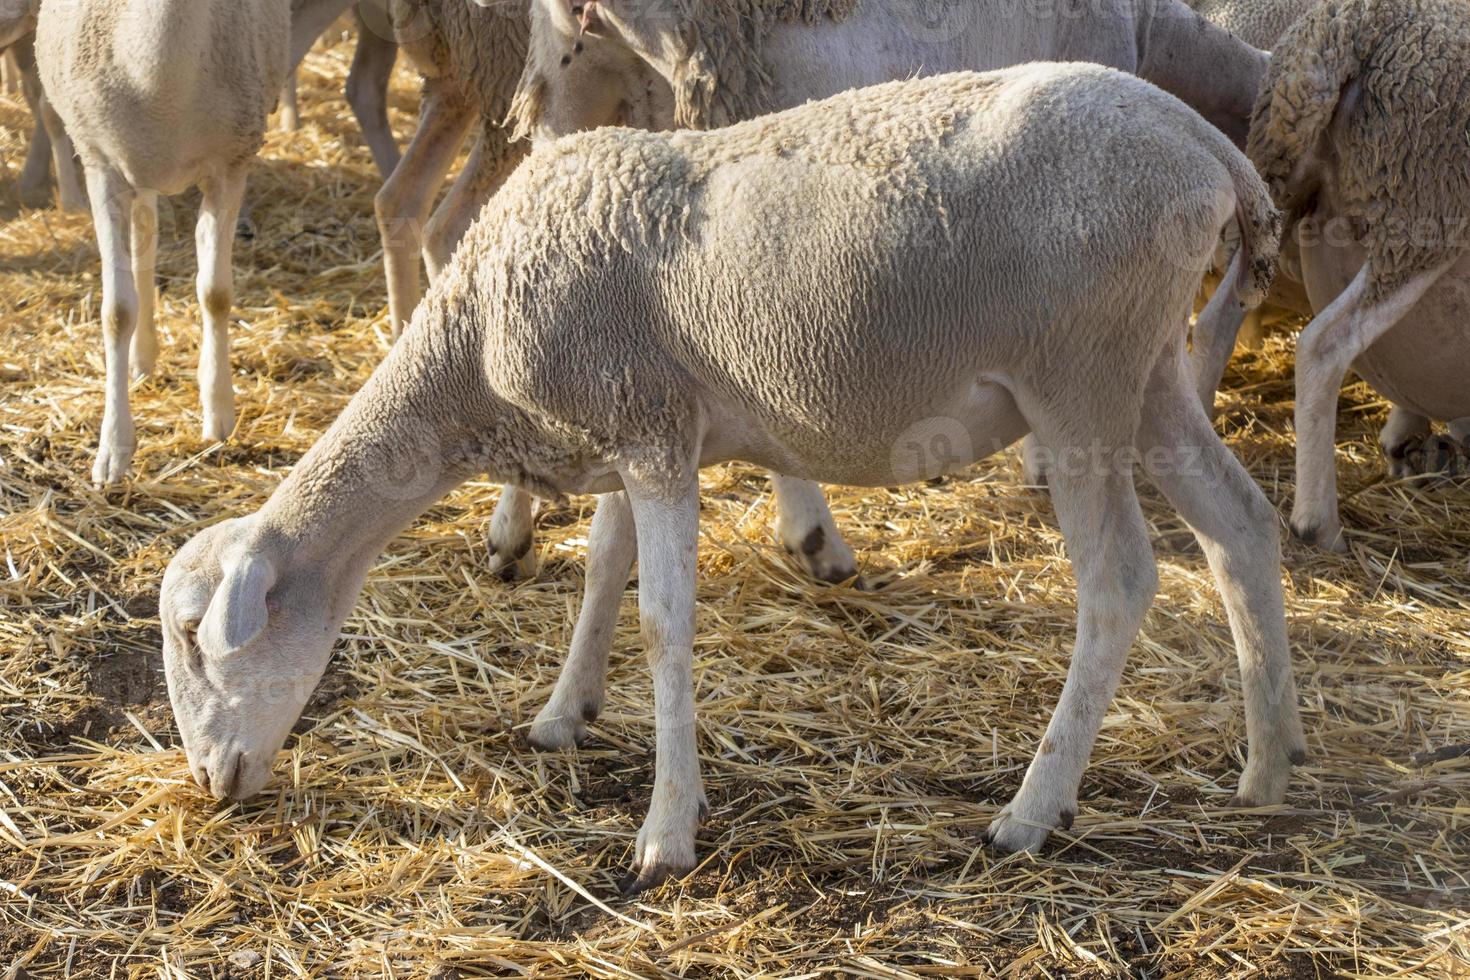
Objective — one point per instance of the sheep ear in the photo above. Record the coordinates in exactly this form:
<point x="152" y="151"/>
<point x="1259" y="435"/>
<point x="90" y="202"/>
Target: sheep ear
<point x="238" y="611"/>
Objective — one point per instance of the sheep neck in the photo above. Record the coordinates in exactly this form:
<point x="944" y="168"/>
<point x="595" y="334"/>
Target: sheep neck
<point x="411" y="434"/>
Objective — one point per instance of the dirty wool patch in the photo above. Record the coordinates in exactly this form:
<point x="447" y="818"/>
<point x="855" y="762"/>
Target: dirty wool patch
<point x="854" y="744"/>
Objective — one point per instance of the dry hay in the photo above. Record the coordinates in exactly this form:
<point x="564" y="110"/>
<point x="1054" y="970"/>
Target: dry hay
<point x="854" y="744"/>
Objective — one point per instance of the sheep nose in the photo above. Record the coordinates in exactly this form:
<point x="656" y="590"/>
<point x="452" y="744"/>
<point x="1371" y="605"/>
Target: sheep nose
<point x="224" y="775"/>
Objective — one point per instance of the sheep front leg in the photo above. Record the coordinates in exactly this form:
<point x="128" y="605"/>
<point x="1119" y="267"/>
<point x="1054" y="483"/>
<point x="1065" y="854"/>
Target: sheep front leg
<point x="1324" y="352"/>
<point x="403" y="203"/>
<point x="808" y="533"/>
<point x="612" y="544"/>
<point x="145" y="253"/>
<point x="668" y="528"/>
<point x="1116" y="581"/>
<point x="214" y="238"/>
<point x="112" y="204"/>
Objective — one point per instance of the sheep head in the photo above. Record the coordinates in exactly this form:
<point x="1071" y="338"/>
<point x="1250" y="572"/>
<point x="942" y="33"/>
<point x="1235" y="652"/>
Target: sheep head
<point x="245" y="640"/>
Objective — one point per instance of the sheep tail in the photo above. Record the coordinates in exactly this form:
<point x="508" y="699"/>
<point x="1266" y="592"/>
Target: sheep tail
<point x="1260" y="232"/>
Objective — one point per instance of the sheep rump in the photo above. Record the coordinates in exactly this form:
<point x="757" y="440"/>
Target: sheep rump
<point x="1400" y="137"/>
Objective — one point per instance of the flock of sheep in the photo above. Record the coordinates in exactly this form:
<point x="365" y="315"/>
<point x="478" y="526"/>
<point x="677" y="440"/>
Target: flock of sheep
<point x="816" y="232"/>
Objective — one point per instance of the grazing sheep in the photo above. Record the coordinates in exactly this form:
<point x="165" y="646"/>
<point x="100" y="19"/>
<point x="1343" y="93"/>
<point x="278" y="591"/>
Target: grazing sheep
<point x="728" y="60"/>
<point x="158" y="97"/>
<point x="1360" y="133"/>
<point x="704" y="63"/>
<point x="367" y="78"/>
<point x="50" y="146"/>
<point x="804" y="291"/>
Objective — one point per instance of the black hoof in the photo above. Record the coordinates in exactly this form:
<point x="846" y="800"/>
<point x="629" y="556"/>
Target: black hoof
<point x="1297" y="757"/>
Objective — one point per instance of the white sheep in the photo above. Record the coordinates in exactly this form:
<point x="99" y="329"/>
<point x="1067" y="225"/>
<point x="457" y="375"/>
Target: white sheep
<point x="703" y="63"/>
<point x="804" y="291"/>
<point x="49" y="147"/>
<point x="1360" y="132"/>
<point x="158" y="97"/>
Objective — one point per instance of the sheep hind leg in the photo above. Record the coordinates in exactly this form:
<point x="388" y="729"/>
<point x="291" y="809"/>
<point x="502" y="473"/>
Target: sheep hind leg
<point x="807" y="531"/>
<point x="367" y="94"/>
<point x="290" y="118"/>
<point x="509" y="537"/>
<point x="69" y="195"/>
<point x="9" y="73"/>
<point x="1238" y="530"/>
<point x="112" y="204"/>
<point x="1402" y="441"/>
<point x="578" y="696"/>
<point x="1326" y="349"/>
<point x="1116" y="581"/>
<point x="214" y="237"/>
<point x="34" y="186"/>
<point x="1215" y="330"/>
<point x="144" y="349"/>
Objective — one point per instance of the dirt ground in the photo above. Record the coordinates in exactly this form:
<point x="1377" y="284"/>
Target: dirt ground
<point x="854" y="744"/>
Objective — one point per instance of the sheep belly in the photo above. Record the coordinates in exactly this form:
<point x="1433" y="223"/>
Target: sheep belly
<point x="876" y="449"/>
<point x="1420" y="363"/>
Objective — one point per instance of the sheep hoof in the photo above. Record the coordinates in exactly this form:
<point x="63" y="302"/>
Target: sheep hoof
<point x="1010" y="833"/>
<point x="513" y="563"/>
<point x="637" y="882"/>
<point x="824" y="557"/>
<point x="32" y="196"/>
<point x="1326" y="535"/>
<point x="112" y="465"/>
<point x="1437" y="457"/>
<point x="555" y="731"/>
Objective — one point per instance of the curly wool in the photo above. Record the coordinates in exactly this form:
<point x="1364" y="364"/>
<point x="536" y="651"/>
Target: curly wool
<point x="722" y="78"/>
<point x="481" y="48"/>
<point x="1401" y="150"/>
<point x="1259" y="23"/>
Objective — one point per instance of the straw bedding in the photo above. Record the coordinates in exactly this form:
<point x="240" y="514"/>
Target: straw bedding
<point x="854" y="743"/>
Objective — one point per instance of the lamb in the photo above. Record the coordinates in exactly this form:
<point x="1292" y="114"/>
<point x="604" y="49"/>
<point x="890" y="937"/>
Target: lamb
<point x="158" y="97"/>
<point x="704" y="63"/>
<point x="951" y="249"/>
<point x="49" y="146"/>
<point x="1359" y="131"/>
